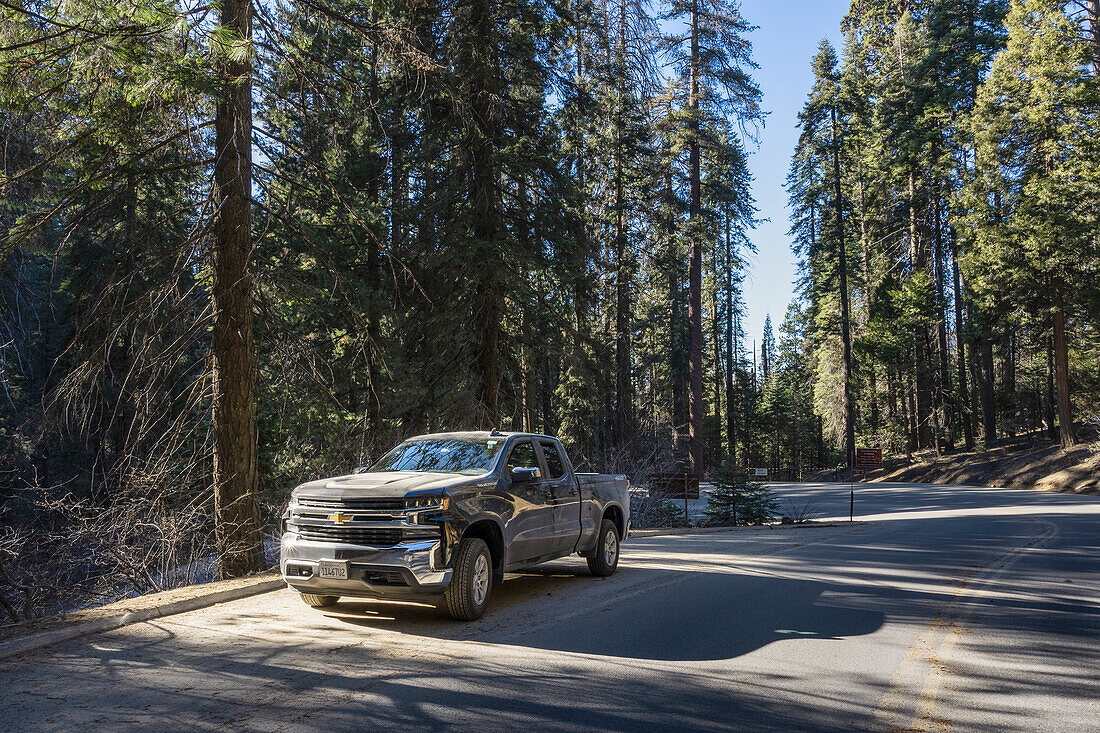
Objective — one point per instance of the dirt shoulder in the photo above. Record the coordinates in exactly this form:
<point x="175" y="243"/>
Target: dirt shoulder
<point x="1018" y="465"/>
<point x="27" y="635"/>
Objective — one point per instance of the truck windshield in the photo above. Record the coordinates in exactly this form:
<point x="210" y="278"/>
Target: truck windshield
<point x="469" y="456"/>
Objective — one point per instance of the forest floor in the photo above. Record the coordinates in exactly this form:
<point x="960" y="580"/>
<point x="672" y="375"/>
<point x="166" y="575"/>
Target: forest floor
<point x="1024" y="463"/>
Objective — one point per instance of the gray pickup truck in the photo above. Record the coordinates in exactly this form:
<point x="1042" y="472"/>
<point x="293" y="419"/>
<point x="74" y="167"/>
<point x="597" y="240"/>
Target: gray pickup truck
<point x="444" y="516"/>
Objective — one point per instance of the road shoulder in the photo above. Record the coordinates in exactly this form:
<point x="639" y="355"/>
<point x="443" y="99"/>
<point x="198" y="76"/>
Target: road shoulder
<point x="22" y="638"/>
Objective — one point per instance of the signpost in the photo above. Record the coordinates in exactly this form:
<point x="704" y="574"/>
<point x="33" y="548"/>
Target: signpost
<point x="866" y="459"/>
<point x="761" y="472"/>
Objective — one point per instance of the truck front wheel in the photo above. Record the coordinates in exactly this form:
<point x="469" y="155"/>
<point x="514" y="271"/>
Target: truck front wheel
<point x="605" y="557"/>
<point x="468" y="594"/>
<point x="315" y="601"/>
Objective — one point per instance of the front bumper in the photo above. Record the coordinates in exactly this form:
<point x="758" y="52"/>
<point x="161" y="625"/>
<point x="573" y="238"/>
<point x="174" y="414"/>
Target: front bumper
<point x="408" y="570"/>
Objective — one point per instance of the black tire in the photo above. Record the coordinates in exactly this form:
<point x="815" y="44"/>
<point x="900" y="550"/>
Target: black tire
<point x="314" y="601"/>
<point x="471" y="582"/>
<point x="605" y="556"/>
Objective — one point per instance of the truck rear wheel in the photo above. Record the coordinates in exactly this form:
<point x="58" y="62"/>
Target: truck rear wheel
<point x="314" y="601"/>
<point x="605" y="557"/>
<point x="471" y="582"/>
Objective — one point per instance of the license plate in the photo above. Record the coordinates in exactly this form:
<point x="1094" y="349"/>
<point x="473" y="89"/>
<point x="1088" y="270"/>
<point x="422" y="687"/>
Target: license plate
<point x="333" y="570"/>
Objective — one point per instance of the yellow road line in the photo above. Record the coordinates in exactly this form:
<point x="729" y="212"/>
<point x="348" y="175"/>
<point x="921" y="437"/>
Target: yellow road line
<point x="938" y="641"/>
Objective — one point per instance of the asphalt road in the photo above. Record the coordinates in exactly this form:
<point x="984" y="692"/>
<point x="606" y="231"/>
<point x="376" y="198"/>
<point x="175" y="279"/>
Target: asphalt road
<point x="942" y="609"/>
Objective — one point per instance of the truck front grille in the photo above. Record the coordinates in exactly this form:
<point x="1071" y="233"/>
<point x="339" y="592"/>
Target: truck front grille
<point x="369" y="536"/>
<point x="370" y="504"/>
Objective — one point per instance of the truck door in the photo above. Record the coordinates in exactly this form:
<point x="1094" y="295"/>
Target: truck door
<point x="532" y="524"/>
<point x="566" y="497"/>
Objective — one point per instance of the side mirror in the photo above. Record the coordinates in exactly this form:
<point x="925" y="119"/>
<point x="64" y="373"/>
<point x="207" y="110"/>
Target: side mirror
<point x="361" y="469"/>
<point x="524" y="475"/>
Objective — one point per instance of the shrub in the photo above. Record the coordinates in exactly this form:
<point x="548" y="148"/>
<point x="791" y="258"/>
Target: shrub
<point x="655" y="511"/>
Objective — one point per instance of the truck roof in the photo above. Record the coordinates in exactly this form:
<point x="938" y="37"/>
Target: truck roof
<point x="481" y="435"/>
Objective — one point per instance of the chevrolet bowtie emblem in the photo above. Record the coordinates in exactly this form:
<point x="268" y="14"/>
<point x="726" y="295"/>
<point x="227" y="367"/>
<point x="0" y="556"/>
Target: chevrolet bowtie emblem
<point x="339" y="518"/>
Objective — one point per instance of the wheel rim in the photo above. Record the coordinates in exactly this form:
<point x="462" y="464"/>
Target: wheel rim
<point x="481" y="579"/>
<point x="610" y="548"/>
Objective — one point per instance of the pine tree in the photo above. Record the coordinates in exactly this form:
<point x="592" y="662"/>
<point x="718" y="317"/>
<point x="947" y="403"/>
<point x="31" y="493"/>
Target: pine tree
<point x="714" y="62"/>
<point x="736" y="500"/>
<point x="1037" y="162"/>
<point x="816" y="183"/>
<point x="767" y="348"/>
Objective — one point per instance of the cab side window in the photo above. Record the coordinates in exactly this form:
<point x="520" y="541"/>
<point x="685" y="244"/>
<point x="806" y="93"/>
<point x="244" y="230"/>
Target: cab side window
<point x="522" y="456"/>
<point x="554" y="464"/>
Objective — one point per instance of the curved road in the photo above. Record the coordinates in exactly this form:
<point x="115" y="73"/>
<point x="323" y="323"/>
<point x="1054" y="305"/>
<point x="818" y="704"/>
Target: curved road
<point x="941" y="608"/>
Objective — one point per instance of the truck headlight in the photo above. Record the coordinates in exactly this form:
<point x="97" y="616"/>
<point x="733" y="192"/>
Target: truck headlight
<point x="427" y="502"/>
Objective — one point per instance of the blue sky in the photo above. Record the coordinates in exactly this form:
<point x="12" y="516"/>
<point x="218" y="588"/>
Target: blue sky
<point x="784" y="43"/>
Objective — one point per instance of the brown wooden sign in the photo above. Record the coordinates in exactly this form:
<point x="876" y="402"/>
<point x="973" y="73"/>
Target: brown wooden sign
<point x="674" y="485"/>
<point x="868" y="458"/>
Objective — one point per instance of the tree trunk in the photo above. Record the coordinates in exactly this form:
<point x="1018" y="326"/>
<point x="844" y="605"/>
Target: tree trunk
<point x="239" y="543"/>
<point x="1061" y="365"/>
<point x="580" y="230"/>
<point x="374" y="337"/>
<point x="892" y="410"/>
<point x="845" y="328"/>
<point x="944" y="392"/>
<point x="976" y="399"/>
<point x="1093" y="9"/>
<point x="1048" y="397"/>
<point x="480" y="68"/>
<point x="872" y="387"/>
<point x="372" y="434"/>
<point x="865" y="245"/>
<point x="530" y="392"/>
<point x="923" y="385"/>
<point x="695" y="274"/>
<point x="1010" y="382"/>
<point x="678" y="372"/>
<point x="546" y="393"/>
<point x="624" y="386"/>
<point x="989" y="408"/>
<point x="905" y="402"/>
<point x="820" y="442"/>
<point x="397" y="185"/>
<point x="716" y="342"/>
<point x="731" y="405"/>
<point x="965" y="411"/>
<point x="677" y="357"/>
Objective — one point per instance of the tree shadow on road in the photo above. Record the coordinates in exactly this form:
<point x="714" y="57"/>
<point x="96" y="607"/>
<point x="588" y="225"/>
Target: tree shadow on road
<point x="689" y="615"/>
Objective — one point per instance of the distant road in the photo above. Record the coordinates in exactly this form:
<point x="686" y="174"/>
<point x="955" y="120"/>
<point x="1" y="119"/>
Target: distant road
<point x="944" y="609"/>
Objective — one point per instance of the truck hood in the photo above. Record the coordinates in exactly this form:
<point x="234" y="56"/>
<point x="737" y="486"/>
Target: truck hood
<point x="384" y="484"/>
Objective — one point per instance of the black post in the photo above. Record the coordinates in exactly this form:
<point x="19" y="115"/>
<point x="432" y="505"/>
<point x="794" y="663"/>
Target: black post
<point x="687" y="521"/>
